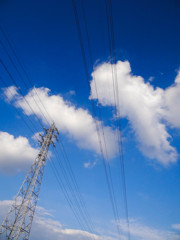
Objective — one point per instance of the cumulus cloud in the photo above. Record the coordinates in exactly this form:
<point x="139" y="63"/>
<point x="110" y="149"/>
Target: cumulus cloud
<point x="172" y="100"/>
<point x="75" y="122"/>
<point x="149" y="110"/>
<point x="16" y="154"/>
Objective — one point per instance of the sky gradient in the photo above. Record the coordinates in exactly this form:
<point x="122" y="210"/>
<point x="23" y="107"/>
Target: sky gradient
<point x="45" y="38"/>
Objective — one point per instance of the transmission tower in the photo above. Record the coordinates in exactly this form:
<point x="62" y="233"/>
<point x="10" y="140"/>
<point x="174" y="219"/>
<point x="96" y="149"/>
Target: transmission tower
<point x="18" y="221"/>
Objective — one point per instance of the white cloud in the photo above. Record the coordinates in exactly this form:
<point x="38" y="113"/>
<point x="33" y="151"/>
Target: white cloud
<point x="150" y="79"/>
<point x="176" y="226"/>
<point x="172" y="100"/>
<point x="77" y="123"/>
<point x="150" y="112"/>
<point x="140" y="231"/>
<point x="37" y="136"/>
<point x="16" y="154"/>
<point x="72" y="93"/>
<point x="46" y="227"/>
<point x="10" y="93"/>
<point x="147" y="108"/>
<point x="90" y="164"/>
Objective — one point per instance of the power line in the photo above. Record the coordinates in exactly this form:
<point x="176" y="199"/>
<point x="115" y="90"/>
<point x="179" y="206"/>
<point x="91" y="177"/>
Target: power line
<point x="113" y="202"/>
<point x="18" y="112"/>
<point x="99" y="110"/>
<point x="20" y="75"/>
<point x="24" y="98"/>
<point x="117" y="106"/>
<point x="73" y="178"/>
<point x="26" y="74"/>
<point x="66" y="195"/>
<point x="81" y="201"/>
<point x="119" y="122"/>
<point x="18" y="221"/>
<point x="73" y="192"/>
<point x="32" y="132"/>
<point x="116" y="96"/>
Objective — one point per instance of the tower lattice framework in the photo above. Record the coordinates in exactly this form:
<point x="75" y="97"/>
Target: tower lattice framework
<point x="18" y="221"/>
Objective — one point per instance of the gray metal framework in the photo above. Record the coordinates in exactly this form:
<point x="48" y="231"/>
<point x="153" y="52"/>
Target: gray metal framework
<point x="18" y="221"/>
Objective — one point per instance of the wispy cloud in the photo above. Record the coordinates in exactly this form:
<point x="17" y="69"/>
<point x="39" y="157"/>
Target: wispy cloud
<point x="90" y="164"/>
<point x="176" y="226"/>
<point x="46" y="227"/>
<point x="141" y="231"/>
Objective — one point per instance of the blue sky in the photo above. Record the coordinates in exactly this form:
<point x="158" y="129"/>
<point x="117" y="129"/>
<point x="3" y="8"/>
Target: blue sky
<point x="44" y="36"/>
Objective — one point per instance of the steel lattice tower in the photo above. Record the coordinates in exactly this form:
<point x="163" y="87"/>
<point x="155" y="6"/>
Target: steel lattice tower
<point x="18" y="221"/>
